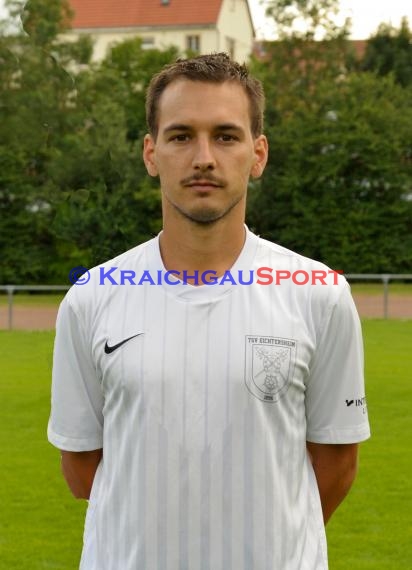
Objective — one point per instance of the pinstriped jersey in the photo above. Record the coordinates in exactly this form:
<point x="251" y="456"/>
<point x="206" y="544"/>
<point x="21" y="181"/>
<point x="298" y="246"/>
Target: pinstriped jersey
<point x="202" y="399"/>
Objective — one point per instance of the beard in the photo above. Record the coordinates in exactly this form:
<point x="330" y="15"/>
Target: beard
<point x="205" y="215"/>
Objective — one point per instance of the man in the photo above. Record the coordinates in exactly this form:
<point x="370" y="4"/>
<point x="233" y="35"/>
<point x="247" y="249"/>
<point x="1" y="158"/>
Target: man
<point x="213" y="425"/>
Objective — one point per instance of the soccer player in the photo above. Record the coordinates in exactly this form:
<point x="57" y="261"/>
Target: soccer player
<point x="211" y="424"/>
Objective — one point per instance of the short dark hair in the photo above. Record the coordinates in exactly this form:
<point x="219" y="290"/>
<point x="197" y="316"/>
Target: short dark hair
<point x="214" y="68"/>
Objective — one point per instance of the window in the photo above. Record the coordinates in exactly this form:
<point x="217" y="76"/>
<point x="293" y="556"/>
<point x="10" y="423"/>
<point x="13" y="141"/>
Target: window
<point x="193" y="43"/>
<point x="148" y="43"/>
<point x="230" y="47"/>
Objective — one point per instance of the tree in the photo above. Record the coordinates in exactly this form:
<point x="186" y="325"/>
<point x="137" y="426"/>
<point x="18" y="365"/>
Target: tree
<point x="106" y="202"/>
<point x="338" y="184"/>
<point x="306" y="19"/>
<point x="42" y="20"/>
<point x="390" y="51"/>
<point x="310" y="48"/>
<point x="73" y="189"/>
<point x="36" y="96"/>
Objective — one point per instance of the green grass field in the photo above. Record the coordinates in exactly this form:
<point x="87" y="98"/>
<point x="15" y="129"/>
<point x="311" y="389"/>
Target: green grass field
<point x="41" y="525"/>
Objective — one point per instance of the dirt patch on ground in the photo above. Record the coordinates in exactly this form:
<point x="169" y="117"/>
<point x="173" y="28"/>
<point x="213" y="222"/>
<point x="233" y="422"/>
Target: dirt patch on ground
<point x="372" y="306"/>
<point x="29" y="318"/>
<point x="369" y="306"/>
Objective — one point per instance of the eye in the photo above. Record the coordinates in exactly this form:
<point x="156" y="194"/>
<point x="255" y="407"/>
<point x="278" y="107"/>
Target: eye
<point x="226" y="138"/>
<point x="183" y="137"/>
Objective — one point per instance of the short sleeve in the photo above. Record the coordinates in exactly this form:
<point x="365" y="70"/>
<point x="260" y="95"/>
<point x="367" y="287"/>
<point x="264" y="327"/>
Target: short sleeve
<point x="335" y="401"/>
<point x="76" y="420"/>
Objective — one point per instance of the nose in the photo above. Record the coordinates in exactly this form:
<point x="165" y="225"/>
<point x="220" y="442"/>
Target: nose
<point x="203" y="158"/>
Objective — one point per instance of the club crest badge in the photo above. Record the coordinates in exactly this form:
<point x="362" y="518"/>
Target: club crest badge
<point x="269" y="366"/>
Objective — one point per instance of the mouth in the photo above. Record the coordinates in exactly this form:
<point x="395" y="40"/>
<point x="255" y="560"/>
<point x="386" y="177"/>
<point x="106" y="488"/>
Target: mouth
<point x="203" y="184"/>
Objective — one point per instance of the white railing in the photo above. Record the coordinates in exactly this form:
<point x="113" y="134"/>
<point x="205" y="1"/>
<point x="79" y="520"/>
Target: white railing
<point x="11" y="289"/>
<point x="384" y="278"/>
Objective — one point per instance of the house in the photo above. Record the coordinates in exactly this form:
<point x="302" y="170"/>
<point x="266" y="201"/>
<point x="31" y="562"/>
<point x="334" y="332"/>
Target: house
<point x="202" y="26"/>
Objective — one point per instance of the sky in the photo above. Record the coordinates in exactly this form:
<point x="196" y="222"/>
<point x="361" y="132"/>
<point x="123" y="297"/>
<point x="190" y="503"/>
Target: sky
<point x="366" y="15"/>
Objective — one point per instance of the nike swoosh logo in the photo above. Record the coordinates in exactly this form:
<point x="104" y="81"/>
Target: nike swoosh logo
<point x="109" y="349"/>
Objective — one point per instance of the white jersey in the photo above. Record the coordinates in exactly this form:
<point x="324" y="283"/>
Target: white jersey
<point x="202" y="399"/>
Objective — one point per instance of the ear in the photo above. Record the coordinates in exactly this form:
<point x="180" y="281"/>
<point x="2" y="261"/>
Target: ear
<point x="148" y="155"/>
<point x="261" y="156"/>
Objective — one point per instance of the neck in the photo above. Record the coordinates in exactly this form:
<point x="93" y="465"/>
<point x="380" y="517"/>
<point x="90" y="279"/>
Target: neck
<point x="189" y="246"/>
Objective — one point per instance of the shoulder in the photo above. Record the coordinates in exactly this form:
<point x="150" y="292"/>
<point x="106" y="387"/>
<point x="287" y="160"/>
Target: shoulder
<point x="290" y="258"/>
<point x="303" y="270"/>
<point x="304" y="282"/>
<point x="103" y="279"/>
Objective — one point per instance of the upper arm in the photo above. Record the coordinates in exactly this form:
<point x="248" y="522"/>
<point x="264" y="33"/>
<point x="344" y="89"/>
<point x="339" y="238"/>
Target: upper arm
<point x="335" y="393"/>
<point x="76" y="420"/>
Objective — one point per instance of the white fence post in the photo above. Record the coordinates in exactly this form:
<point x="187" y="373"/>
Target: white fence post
<point x="10" y="291"/>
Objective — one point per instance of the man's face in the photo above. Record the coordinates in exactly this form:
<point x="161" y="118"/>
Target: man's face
<point x="204" y="152"/>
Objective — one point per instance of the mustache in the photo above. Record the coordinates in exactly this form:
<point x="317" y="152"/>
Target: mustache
<point x="196" y="177"/>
